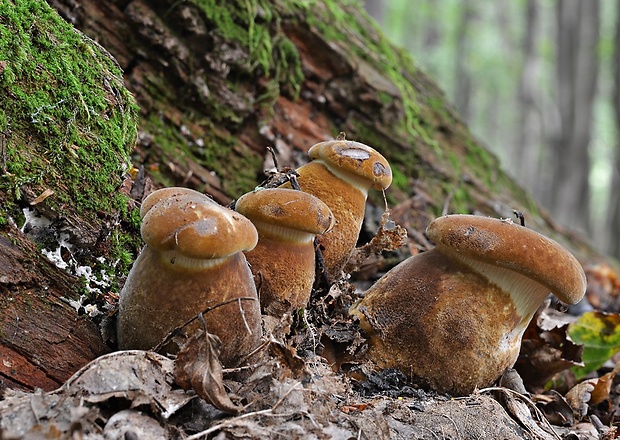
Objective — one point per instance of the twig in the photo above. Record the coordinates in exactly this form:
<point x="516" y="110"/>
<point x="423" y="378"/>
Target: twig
<point x="274" y="157"/>
<point x="520" y="216"/>
<point x="228" y="422"/>
<point x="456" y="428"/>
<point x="243" y="316"/>
<point x="294" y="183"/>
<point x="527" y="400"/>
<point x="256" y="350"/>
<point x="174" y="331"/>
<point x="321" y="275"/>
<point x="446" y="202"/>
<point x="281" y="399"/>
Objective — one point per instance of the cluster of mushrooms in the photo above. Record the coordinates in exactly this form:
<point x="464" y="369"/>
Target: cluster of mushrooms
<point x="450" y="318"/>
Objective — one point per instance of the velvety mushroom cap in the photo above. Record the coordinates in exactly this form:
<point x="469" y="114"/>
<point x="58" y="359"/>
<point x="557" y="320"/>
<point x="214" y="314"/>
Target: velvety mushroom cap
<point x="354" y="162"/>
<point x="191" y="225"/>
<point x="489" y="243"/>
<point x="283" y="211"/>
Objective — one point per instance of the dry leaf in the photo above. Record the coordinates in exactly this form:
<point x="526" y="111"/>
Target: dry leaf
<point x="546" y="349"/>
<point x="516" y="406"/>
<point x="140" y="377"/>
<point x="389" y="237"/>
<point x="44" y="195"/>
<point x="602" y="387"/>
<point x="579" y="396"/>
<point x="347" y="409"/>
<point x="556" y="408"/>
<point x="198" y="367"/>
<point x="130" y="423"/>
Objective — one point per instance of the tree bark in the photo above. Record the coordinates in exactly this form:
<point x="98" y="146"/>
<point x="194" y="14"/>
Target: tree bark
<point x="66" y="125"/>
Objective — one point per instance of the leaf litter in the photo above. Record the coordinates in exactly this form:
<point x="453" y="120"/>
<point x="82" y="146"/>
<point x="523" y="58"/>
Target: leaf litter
<point x="309" y="383"/>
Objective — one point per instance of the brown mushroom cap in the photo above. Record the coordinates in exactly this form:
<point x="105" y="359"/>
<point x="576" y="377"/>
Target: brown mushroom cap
<point x="504" y="244"/>
<point x="354" y="162"/>
<point x="286" y="208"/>
<point x="193" y="225"/>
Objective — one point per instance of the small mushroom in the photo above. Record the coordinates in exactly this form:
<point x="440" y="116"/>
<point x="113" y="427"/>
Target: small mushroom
<point x="283" y="260"/>
<point x="192" y="261"/>
<point x="340" y="174"/>
<point x="453" y="317"/>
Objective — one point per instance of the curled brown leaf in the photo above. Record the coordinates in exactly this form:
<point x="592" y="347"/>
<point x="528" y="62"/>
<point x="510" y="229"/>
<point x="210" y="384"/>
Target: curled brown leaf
<point x="198" y="367"/>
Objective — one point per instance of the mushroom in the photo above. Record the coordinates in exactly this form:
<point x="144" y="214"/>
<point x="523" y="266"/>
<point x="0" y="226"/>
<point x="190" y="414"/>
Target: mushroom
<point x="453" y="317"/>
<point x="283" y="260"/>
<point x="192" y="262"/>
<point x="340" y="174"/>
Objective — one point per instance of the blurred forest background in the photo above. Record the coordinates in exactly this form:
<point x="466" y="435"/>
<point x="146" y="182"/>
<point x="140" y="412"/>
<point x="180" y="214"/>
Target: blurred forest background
<point x="538" y="81"/>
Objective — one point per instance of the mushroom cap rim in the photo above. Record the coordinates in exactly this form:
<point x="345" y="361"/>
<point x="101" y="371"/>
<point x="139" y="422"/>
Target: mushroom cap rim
<point x="193" y="225"/>
<point x="287" y="208"/>
<point x="506" y="244"/>
<point x="355" y="158"/>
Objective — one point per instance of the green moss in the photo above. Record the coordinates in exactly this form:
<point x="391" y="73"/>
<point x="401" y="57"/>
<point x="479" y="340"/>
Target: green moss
<point x="217" y="152"/>
<point x="67" y="120"/>
<point x="254" y="25"/>
<point x="399" y="180"/>
<point x="346" y="21"/>
<point x="72" y="120"/>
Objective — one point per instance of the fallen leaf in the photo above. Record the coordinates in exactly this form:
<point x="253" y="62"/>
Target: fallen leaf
<point x="546" y="349"/>
<point x="347" y="409"/>
<point x="130" y="423"/>
<point x="599" y="333"/>
<point x="198" y="367"/>
<point x="602" y="388"/>
<point x="140" y="377"/>
<point x="557" y="410"/>
<point x="579" y="396"/>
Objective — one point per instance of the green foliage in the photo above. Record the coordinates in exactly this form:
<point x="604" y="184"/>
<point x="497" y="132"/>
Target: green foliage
<point x="600" y="334"/>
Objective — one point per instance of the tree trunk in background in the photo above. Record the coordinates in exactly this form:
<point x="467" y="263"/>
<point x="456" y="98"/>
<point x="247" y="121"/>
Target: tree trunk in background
<point x="526" y="154"/>
<point x="613" y="207"/>
<point x="463" y="80"/>
<point x="497" y="130"/>
<point x="578" y="23"/>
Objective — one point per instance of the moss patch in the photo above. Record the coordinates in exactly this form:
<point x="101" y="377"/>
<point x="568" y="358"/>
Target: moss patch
<point x="255" y="25"/>
<point x="67" y="121"/>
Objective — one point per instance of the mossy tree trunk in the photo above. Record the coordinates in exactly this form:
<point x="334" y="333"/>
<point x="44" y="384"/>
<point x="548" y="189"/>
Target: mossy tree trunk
<point x="67" y="124"/>
<point x="218" y="82"/>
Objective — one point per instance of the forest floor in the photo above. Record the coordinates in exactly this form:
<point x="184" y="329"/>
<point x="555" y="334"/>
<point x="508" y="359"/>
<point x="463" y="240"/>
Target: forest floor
<point x="305" y="383"/>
